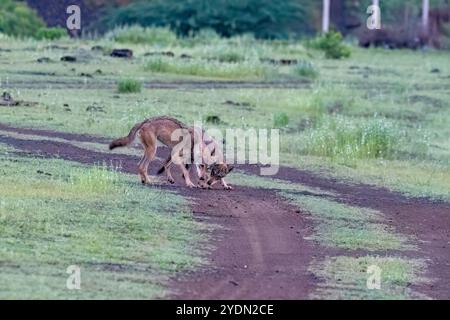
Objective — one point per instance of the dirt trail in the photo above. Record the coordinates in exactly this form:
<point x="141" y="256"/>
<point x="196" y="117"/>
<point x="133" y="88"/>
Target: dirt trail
<point x="261" y="251"/>
<point x="98" y="83"/>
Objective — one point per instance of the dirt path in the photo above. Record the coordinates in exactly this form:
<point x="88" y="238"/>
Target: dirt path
<point x="261" y="253"/>
<point x="96" y="84"/>
<point x="260" y="249"/>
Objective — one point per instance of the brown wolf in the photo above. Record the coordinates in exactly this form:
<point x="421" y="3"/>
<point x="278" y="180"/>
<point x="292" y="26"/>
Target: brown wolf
<point x="212" y="169"/>
<point x="161" y="130"/>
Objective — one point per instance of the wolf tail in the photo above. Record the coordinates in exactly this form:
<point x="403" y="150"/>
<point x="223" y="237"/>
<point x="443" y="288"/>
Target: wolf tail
<point x="124" y="141"/>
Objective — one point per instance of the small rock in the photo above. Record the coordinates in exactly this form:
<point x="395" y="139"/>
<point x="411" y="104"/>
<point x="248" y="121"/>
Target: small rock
<point x="44" y="60"/>
<point x="122" y="53"/>
<point x="69" y="59"/>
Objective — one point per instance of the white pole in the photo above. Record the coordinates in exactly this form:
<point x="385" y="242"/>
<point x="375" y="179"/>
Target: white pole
<point x="425" y="14"/>
<point x="376" y="3"/>
<point x="326" y="16"/>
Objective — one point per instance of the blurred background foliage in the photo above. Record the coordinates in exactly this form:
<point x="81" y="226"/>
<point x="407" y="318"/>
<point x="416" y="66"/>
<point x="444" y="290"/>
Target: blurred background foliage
<point x="268" y="19"/>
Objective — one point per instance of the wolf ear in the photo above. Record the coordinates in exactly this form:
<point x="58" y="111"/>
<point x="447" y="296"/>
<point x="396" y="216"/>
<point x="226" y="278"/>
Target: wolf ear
<point x="230" y="168"/>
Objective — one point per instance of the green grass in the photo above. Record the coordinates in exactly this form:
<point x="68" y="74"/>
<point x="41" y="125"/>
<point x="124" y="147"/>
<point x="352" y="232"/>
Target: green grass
<point x="127" y="239"/>
<point x="129" y="86"/>
<point x="213" y="69"/>
<point x="306" y="69"/>
<point x="140" y="35"/>
<point x="280" y="120"/>
<point x="339" y="137"/>
<point x="346" y="278"/>
<point x="255" y="181"/>
<point x="343" y="226"/>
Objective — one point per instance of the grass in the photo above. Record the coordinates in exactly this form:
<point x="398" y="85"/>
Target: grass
<point x="139" y="35"/>
<point x="339" y="137"/>
<point x="127" y="239"/>
<point x="255" y="181"/>
<point x="228" y="70"/>
<point x="346" y="278"/>
<point x="343" y="226"/>
<point x="280" y="120"/>
<point x="129" y="86"/>
<point x="306" y="69"/>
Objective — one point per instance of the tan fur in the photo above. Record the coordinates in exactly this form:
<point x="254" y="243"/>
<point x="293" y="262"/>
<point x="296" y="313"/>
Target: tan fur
<point x="150" y="132"/>
<point x="160" y="129"/>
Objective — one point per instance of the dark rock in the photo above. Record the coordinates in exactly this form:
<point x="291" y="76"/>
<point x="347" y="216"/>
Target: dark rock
<point x="44" y="60"/>
<point x="69" y="59"/>
<point x="122" y="53"/>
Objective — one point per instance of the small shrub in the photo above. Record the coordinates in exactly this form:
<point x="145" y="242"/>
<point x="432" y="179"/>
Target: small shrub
<point x="280" y="119"/>
<point x="140" y="35"/>
<point x="129" y="86"/>
<point x="306" y="69"/>
<point x="332" y="44"/>
<point x="213" y="119"/>
<point x="51" y="33"/>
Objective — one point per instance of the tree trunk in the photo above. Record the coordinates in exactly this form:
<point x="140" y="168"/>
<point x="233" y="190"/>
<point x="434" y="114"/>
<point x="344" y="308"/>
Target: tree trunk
<point x="326" y="16"/>
<point x="425" y="15"/>
<point x="338" y="15"/>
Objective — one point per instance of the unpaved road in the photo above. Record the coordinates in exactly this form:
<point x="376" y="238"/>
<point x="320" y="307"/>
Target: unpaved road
<point x="260" y="251"/>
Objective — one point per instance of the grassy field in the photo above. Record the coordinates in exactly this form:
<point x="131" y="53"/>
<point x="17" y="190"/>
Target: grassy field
<point x="54" y="214"/>
<point x="379" y="117"/>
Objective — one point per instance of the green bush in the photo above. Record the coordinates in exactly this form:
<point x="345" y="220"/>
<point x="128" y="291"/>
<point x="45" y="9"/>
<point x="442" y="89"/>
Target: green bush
<point x="305" y="69"/>
<point x="129" y="86"/>
<point x="343" y="138"/>
<point x="332" y="44"/>
<point x="139" y="35"/>
<point x="265" y="19"/>
<point x="17" y="19"/>
<point x="51" y="33"/>
<point x="280" y="120"/>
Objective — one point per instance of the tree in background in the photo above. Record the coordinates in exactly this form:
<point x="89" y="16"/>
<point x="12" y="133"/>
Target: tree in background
<point x="265" y="19"/>
<point x="17" y="19"/>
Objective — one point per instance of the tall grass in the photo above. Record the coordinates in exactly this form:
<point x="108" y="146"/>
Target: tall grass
<point x="213" y="69"/>
<point x="140" y="35"/>
<point x="339" y="137"/>
<point x="305" y="69"/>
<point x="97" y="179"/>
<point x="129" y="86"/>
<point x="280" y="119"/>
